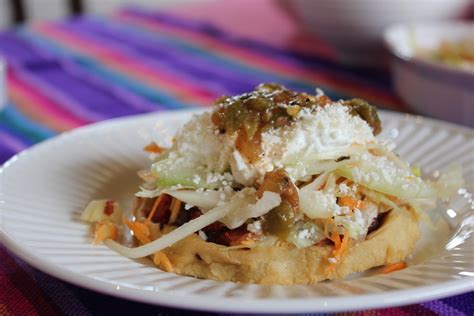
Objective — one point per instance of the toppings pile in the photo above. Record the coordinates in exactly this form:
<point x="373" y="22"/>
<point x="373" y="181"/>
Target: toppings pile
<point x="268" y="167"/>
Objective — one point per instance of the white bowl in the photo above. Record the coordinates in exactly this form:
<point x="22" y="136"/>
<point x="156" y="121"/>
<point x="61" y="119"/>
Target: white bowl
<point x="354" y="28"/>
<point x="429" y="87"/>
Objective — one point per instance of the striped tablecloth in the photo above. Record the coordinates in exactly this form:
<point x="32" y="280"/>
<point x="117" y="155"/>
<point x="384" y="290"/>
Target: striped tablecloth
<point x="74" y="72"/>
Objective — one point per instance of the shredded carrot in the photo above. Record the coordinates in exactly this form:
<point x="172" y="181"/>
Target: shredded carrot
<point x="350" y="202"/>
<point x="162" y="261"/>
<point x="153" y="148"/>
<point x="104" y="230"/>
<point x="347" y="201"/>
<point x="154" y="208"/>
<point x="336" y="239"/>
<point x="340" y="248"/>
<point x="140" y="231"/>
<point x="394" y="267"/>
<point x="339" y="252"/>
<point x="175" y="208"/>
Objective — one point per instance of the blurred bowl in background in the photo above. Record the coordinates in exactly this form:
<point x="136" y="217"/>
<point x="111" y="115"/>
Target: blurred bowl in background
<point x="430" y="87"/>
<point x="354" y="28"/>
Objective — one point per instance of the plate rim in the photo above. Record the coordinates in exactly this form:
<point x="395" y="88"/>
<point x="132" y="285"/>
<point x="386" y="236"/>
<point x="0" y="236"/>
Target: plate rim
<point x="206" y="303"/>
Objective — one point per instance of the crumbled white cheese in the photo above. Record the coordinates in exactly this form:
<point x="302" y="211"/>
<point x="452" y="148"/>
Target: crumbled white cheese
<point x="332" y="260"/>
<point x="344" y="210"/>
<point x="303" y="234"/>
<point x="345" y="190"/>
<point x="255" y="227"/>
<point x="198" y="142"/>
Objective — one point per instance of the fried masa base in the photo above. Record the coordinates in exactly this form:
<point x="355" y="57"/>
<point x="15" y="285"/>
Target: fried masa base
<point x="286" y="264"/>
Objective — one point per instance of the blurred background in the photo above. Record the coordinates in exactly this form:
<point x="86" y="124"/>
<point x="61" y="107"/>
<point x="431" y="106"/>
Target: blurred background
<point x="17" y="11"/>
<point x="382" y="50"/>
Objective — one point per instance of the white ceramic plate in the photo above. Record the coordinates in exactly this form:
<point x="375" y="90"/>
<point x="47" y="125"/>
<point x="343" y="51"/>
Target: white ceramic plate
<point x="44" y="189"/>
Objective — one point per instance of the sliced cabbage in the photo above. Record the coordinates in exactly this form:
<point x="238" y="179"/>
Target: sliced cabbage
<point x="379" y="198"/>
<point x="314" y="157"/>
<point x="205" y="200"/>
<point x="181" y="232"/>
<point x="307" y="168"/>
<point x="177" y="171"/>
<point x="266" y="203"/>
<point x="392" y="156"/>
<point x="315" y="203"/>
<point x="317" y="183"/>
<point x="376" y="173"/>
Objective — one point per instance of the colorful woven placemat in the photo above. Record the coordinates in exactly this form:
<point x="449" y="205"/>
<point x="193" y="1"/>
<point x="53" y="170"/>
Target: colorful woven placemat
<point x="74" y="72"/>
